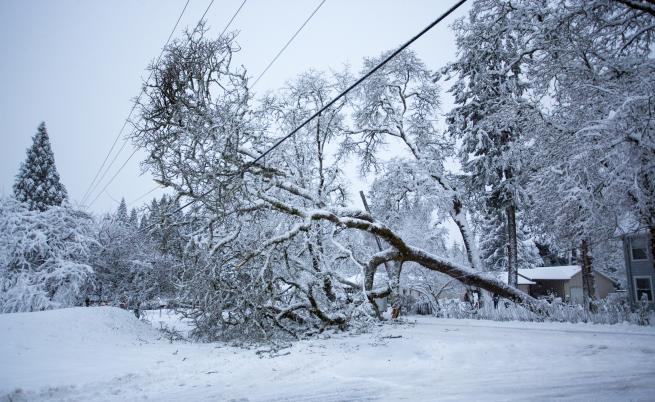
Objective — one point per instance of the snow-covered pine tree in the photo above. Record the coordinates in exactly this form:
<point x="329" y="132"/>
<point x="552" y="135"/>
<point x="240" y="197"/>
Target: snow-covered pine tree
<point x="37" y="183"/>
<point x="121" y="212"/>
<point x="134" y="218"/>
<point x="493" y="244"/>
<point x="490" y="116"/>
<point x="44" y="257"/>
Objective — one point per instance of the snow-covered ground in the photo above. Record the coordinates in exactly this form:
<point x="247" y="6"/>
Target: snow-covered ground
<point x="98" y="354"/>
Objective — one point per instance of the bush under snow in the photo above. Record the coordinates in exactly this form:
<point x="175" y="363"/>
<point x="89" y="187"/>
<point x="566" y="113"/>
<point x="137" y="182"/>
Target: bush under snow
<point x="43" y="257"/>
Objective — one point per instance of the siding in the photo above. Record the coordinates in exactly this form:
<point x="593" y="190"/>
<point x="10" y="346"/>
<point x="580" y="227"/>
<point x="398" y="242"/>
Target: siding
<point x="637" y="268"/>
<point x="602" y="285"/>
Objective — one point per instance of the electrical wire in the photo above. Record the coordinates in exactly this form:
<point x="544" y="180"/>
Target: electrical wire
<point x="232" y="19"/>
<point x="336" y="99"/>
<point x="113" y="145"/>
<point x="287" y="44"/>
<point x="113" y="177"/>
<point x="139" y="198"/>
<point x="141" y="93"/>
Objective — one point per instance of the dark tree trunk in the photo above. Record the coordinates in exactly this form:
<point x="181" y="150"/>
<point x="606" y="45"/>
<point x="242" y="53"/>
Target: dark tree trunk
<point x="652" y="244"/>
<point x="588" y="290"/>
<point x="512" y="248"/>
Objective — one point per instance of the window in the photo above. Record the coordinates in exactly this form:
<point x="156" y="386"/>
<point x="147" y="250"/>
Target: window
<point x="643" y="286"/>
<point x="638" y="248"/>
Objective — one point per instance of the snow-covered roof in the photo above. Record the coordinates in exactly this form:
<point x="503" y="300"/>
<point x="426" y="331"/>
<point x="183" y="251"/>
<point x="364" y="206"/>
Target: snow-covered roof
<point x="502" y="276"/>
<point x="559" y="273"/>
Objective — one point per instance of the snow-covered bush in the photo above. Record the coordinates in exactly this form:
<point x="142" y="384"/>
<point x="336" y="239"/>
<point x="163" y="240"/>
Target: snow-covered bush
<point x="607" y="311"/>
<point x="43" y="257"/>
<point x="135" y="265"/>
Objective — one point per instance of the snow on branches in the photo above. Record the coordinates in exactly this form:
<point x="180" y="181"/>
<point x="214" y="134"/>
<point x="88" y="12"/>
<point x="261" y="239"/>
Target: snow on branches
<point x="43" y="257"/>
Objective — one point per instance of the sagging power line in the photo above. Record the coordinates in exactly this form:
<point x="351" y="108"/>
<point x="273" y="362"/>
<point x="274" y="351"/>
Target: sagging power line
<point x="335" y="99"/>
<point x="141" y="93"/>
<point x="89" y="190"/>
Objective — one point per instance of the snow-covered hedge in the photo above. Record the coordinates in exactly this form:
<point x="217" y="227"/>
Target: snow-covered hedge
<point x="606" y="311"/>
<point x="43" y="257"/>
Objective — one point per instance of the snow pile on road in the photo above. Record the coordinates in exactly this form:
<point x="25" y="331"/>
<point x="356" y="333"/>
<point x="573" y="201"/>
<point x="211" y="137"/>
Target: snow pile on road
<point x="51" y="347"/>
<point x="76" y="326"/>
<point x="106" y="354"/>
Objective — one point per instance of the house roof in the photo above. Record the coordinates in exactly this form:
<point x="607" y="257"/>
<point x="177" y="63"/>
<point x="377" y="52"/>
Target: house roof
<point x="560" y="273"/>
<point x="502" y="276"/>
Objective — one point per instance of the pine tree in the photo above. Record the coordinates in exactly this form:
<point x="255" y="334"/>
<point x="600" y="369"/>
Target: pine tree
<point x="134" y="218"/>
<point x="494" y="244"/>
<point x="37" y="183"/>
<point x="121" y="213"/>
<point x="490" y="116"/>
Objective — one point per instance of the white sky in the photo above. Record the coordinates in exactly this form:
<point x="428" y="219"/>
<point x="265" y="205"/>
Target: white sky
<point x="77" y="64"/>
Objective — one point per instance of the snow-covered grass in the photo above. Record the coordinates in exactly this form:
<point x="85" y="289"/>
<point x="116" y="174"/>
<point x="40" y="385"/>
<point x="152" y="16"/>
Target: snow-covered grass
<point x="106" y="354"/>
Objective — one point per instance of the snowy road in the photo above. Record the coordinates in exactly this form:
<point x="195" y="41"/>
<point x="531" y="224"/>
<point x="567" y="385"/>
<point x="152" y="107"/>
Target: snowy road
<point x="104" y="354"/>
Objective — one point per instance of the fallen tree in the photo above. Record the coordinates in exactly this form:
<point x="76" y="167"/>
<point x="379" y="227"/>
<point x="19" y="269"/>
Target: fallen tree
<point x="271" y="242"/>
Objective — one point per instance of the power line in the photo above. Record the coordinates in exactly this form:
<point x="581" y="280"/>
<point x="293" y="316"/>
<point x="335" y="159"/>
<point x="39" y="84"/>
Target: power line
<point x="333" y="101"/>
<point x="113" y="177"/>
<point x="287" y="44"/>
<point x="139" y="198"/>
<point x="141" y="93"/>
<point x="232" y="19"/>
<point x="104" y="173"/>
<point x="113" y="145"/>
<point x="360" y="80"/>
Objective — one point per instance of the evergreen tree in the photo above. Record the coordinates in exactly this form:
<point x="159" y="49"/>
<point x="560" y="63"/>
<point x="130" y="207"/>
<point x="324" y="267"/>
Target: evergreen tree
<point x="121" y="213"/>
<point x="134" y="218"/>
<point x="37" y="183"/>
<point x="494" y="244"/>
<point x="491" y="116"/>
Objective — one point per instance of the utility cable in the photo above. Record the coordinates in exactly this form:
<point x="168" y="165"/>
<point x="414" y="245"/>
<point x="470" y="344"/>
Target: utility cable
<point x="287" y="44"/>
<point x="141" y="93"/>
<point x="113" y="145"/>
<point x="341" y="95"/>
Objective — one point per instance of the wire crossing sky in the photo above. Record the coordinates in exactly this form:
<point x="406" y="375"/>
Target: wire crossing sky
<point x="141" y="93"/>
<point x="80" y="65"/>
<point x="341" y="95"/>
<point x="91" y="186"/>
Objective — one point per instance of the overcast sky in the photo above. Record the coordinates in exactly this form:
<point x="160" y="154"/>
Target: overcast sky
<point x="78" y="64"/>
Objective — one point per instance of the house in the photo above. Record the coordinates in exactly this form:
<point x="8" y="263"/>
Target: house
<point x="639" y="266"/>
<point x="565" y="282"/>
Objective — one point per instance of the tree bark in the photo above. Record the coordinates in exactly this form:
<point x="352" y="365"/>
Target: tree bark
<point x="588" y="290"/>
<point x="512" y="248"/>
<point x="652" y="244"/>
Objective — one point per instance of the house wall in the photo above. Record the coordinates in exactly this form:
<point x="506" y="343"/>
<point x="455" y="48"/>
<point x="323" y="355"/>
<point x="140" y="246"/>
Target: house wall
<point x="637" y="268"/>
<point x="602" y="285"/>
<point x="574" y="282"/>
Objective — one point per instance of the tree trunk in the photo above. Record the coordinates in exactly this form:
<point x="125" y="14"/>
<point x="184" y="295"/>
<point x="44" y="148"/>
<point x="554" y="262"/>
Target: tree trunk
<point x="394" y="270"/>
<point x="512" y="265"/>
<point x="393" y="274"/>
<point x="652" y="244"/>
<point x="588" y="290"/>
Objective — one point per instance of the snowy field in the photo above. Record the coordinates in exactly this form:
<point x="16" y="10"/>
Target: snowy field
<point x="106" y="354"/>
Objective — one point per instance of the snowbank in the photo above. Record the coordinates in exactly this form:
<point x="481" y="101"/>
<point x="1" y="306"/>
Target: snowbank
<point x="52" y="347"/>
<point x="106" y="354"/>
